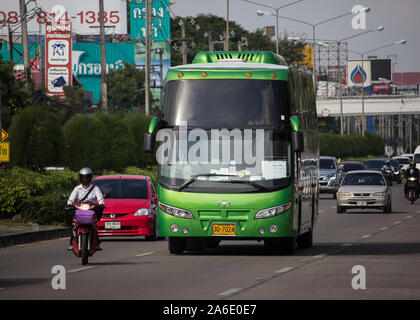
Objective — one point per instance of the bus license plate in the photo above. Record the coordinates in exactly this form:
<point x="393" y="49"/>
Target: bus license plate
<point x="224" y="229"/>
<point x="362" y="203"/>
<point x="113" y="225"/>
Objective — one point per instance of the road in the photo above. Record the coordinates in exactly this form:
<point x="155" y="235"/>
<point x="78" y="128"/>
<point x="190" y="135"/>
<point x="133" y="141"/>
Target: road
<point x="387" y="246"/>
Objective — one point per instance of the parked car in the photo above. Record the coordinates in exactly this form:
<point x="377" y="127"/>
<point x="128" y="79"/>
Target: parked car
<point x="130" y="202"/>
<point x="365" y="189"/>
<point x="347" y="166"/>
<point x="329" y="175"/>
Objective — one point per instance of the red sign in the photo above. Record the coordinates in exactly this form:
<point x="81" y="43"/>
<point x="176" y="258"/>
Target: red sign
<point x="58" y="48"/>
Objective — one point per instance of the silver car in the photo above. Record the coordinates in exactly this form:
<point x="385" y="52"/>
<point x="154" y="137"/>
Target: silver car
<point x="364" y="189"/>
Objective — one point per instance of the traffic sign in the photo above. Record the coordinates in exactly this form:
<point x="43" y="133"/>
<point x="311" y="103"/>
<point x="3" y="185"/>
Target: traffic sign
<point x="4" y="152"/>
<point x="4" y="135"/>
<point x="325" y="112"/>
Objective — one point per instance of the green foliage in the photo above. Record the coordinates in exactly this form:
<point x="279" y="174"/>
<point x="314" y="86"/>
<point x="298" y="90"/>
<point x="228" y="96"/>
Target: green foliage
<point x="36" y="138"/>
<point x="14" y="95"/>
<point x="213" y="27"/>
<point x="34" y="193"/>
<point x="137" y="125"/>
<point x="350" y="146"/>
<point x="126" y="88"/>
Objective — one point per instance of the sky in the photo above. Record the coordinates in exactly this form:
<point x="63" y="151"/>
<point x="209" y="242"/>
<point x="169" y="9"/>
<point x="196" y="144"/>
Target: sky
<point x="399" y="18"/>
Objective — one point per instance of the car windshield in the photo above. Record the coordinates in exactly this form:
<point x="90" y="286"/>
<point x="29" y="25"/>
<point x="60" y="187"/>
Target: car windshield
<point x="417" y="158"/>
<point x="363" y="179"/>
<point x="394" y="163"/>
<point x="123" y="188"/>
<point x="374" y="163"/>
<point x="352" y="166"/>
<point x="326" y="164"/>
<point x="403" y="160"/>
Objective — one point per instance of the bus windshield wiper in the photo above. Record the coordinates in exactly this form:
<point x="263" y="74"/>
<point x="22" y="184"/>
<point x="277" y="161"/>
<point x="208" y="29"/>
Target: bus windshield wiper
<point x="194" y="178"/>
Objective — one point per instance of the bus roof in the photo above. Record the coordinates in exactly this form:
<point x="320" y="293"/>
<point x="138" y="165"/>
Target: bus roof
<point x="232" y="65"/>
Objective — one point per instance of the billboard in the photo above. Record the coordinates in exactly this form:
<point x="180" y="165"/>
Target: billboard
<point x="58" y="48"/>
<point x="84" y="15"/>
<point x="155" y="77"/>
<point x="161" y="30"/>
<point x="87" y="62"/>
<point x="308" y="57"/>
<point x="381" y="69"/>
<point x="359" y="73"/>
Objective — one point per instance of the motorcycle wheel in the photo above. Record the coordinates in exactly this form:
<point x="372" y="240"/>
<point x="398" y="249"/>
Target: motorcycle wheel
<point x="412" y="197"/>
<point x="84" y="249"/>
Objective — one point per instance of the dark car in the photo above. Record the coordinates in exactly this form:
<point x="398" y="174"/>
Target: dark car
<point x="347" y="166"/>
<point x="397" y="170"/>
<point x="374" y="164"/>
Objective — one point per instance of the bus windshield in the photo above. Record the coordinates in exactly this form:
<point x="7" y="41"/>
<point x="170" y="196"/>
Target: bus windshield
<point x="234" y="172"/>
<point x="226" y="103"/>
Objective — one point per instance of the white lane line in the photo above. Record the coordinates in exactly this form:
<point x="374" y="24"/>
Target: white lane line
<point x="144" y="254"/>
<point x="397" y="222"/>
<point x="347" y="244"/>
<point x="366" y="236"/>
<point x="322" y="255"/>
<point x="320" y="211"/>
<point x="229" y="292"/>
<point x="384" y="228"/>
<point x="283" y="270"/>
<point x="79" y="269"/>
<point x="408" y="217"/>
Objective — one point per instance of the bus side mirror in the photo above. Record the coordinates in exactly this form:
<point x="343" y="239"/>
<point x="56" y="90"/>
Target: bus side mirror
<point x="297" y="141"/>
<point x="149" y="143"/>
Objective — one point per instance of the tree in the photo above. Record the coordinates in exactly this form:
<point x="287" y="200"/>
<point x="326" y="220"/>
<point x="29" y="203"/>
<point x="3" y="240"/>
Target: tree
<point x="126" y="88"/>
<point x="14" y="95"/>
<point x="203" y="27"/>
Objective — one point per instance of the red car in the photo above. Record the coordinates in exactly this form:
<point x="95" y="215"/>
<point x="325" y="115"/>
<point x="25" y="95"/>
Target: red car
<point x="130" y="202"/>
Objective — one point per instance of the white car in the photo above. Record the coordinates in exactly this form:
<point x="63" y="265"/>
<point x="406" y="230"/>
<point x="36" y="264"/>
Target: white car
<point x="403" y="161"/>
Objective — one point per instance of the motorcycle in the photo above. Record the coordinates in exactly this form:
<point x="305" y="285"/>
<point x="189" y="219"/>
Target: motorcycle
<point x="85" y="237"/>
<point x="412" y="194"/>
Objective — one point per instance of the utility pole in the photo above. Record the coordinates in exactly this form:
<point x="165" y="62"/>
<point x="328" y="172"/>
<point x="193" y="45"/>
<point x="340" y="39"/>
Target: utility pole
<point x="227" y="27"/>
<point x="25" y="48"/>
<point x="10" y="42"/>
<point x="104" y="91"/>
<point x="184" y="43"/>
<point x="148" y="6"/>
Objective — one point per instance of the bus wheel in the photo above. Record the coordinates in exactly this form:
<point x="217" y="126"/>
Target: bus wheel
<point x="176" y="245"/>
<point x="305" y="240"/>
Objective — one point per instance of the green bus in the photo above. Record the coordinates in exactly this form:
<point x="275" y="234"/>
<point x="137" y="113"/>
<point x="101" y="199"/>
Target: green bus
<point x="238" y="154"/>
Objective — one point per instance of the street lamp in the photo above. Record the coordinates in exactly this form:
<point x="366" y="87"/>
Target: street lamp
<point x="314" y="25"/>
<point x="261" y="13"/>
<point x="380" y="28"/>
<point x="363" y="82"/>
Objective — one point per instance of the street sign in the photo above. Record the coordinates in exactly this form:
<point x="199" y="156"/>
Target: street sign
<point x="4" y="152"/>
<point x="4" y="135"/>
<point x="325" y="112"/>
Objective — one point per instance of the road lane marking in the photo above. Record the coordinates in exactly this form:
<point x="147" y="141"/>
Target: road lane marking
<point x="322" y="255"/>
<point x="408" y="217"/>
<point x="229" y="292"/>
<point x="80" y="269"/>
<point x="397" y="222"/>
<point x="283" y="270"/>
<point x="366" y="236"/>
<point x="384" y="228"/>
<point x="320" y="211"/>
<point x="144" y="254"/>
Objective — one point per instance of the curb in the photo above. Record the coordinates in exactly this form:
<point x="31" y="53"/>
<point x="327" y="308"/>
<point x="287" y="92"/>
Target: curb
<point x="27" y="237"/>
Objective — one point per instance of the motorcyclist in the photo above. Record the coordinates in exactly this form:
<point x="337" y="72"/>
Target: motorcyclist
<point x="412" y="172"/>
<point x="93" y="193"/>
<point x="387" y="167"/>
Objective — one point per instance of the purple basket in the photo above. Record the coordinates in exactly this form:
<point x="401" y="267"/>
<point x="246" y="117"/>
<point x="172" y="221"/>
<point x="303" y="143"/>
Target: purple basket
<point x="85" y="216"/>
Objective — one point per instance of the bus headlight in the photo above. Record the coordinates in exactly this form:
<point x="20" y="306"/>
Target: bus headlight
<point x="176" y="212"/>
<point x="274" y="211"/>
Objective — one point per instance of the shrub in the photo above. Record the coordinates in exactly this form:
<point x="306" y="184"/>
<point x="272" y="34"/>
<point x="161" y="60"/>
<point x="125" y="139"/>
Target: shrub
<point x="36" y="138"/>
